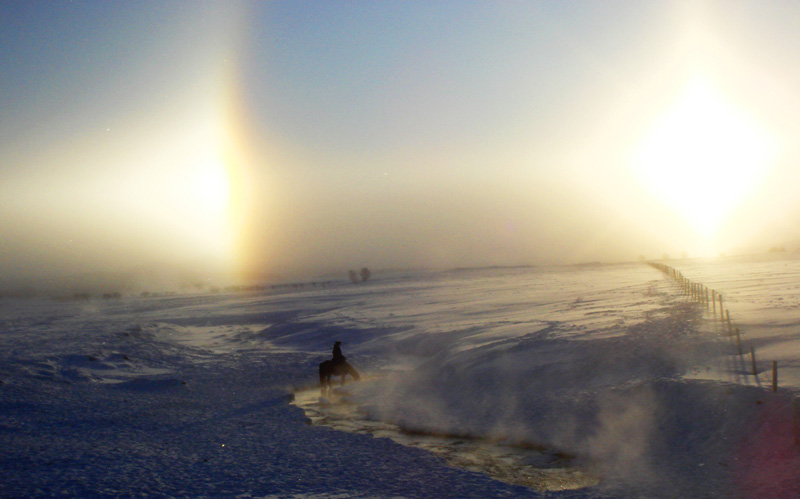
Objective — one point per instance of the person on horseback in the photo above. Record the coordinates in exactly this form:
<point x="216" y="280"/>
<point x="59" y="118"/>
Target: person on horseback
<point x="337" y="366"/>
<point x="338" y="358"/>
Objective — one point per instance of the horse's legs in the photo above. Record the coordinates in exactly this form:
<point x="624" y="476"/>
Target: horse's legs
<point x="325" y="384"/>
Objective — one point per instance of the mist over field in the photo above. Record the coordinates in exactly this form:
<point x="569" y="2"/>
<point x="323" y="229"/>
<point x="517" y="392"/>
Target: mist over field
<point x="238" y="142"/>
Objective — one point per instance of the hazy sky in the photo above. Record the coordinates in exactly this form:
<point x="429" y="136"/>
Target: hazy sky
<point x="303" y="137"/>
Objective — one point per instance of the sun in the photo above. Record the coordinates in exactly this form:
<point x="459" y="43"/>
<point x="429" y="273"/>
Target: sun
<point x="194" y="193"/>
<point x="209" y="185"/>
<point x="703" y="156"/>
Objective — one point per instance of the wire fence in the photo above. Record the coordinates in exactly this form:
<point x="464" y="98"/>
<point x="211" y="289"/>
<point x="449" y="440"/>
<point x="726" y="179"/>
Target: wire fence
<point x="713" y="301"/>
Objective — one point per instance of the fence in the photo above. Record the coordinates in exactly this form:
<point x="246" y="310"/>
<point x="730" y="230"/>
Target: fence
<point x="703" y="295"/>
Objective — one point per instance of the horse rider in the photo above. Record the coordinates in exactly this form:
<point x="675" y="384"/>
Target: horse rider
<point x="338" y="358"/>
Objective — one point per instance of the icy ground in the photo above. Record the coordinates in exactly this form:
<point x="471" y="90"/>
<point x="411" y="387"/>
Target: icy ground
<point x="189" y="396"/>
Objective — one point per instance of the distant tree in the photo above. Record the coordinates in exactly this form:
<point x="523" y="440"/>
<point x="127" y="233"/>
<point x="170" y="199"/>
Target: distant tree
<point x="365" y="273"/>
<point x="353" y="276"/>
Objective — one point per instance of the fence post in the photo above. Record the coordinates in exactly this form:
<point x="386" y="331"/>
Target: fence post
<point x="796" y="419"/>
<point x="774" y="376"/>
<point x="753" y="360"/>
<point x="728" y="318"/>
<point x="714" y="302"/>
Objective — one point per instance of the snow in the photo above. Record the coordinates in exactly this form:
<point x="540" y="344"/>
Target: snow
<point x="762" y="295"/>
<point x="606" y="375"/>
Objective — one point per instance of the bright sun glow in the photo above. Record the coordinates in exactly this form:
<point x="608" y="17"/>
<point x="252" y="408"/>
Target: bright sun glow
<point x="703" y="157"/>
<point x="193" y="195"/>
<point x="206" y="193"/>
<point x="209" y="185"/>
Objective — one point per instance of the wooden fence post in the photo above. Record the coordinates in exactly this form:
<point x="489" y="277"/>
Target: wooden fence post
<point x="753" y="360"/>
<point x="774" y="376"/>
<point x="728" y="318"/>
<point x="714" y="302"/>
<point x="796" y="419"/>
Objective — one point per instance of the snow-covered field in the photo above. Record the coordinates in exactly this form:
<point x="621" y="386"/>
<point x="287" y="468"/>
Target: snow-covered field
<point x="762" y="294"/>
<point x="608" y="373"/>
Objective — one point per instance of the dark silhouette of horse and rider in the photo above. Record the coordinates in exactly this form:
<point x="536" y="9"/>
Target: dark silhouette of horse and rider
<point x="337" y="366"/>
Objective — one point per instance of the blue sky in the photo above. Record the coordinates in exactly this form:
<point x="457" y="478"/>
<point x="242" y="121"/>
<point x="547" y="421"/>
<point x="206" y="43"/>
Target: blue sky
<point x="306" y="137"/>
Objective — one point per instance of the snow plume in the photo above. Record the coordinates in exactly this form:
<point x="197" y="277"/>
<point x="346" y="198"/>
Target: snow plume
<point x="621" y="444"/>
<point x="603" y="384"/>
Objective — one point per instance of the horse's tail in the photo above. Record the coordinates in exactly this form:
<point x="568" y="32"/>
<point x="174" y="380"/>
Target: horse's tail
<point x="352" y="371"/>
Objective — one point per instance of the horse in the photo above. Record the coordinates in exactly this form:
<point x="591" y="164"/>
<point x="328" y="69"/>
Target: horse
<point x="328" y="369"/>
